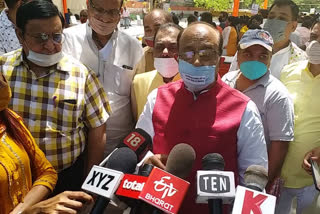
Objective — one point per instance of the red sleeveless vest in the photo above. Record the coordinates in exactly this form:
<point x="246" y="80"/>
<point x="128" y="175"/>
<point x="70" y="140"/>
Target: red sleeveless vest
<point x="209" y="124"/>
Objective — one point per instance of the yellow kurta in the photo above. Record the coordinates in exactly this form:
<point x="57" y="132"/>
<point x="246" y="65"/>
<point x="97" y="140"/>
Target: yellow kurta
<point x="143" y="84"/>
<point x="304" y="89"/>
<point x="146" y="62"/>
<point x="17" y="174"/>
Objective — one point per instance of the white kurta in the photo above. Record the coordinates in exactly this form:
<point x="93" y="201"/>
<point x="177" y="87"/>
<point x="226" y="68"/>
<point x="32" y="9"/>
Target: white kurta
<point x="110" y="64"/>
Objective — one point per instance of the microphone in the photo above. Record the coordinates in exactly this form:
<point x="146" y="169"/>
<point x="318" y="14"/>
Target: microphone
<point x="180" y="160"/>
<point x="164" y="190"/>
<point x="131" y="187"/>
<point x="256" y="177"/>
<point x="251" y="198"/>
<point x="214" y="186"/>
<point x="138" y="141"/>
<point x="105" y="180"/>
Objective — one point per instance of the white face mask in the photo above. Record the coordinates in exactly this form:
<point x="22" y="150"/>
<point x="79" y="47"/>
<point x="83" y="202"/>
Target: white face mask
<point x="167" y="67"/>
<point x="313" y="52"/>
<point x="44" y="60"/>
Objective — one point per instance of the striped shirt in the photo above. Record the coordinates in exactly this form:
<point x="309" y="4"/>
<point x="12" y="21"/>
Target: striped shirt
<point x="59" y="107"/>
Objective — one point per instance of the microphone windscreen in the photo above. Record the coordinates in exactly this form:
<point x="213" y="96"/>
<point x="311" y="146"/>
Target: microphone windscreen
<point x="123" y="160"/>
<point x="256" y="176"/>
<point x="180" y="160"/>
<point x="213" y="161"/>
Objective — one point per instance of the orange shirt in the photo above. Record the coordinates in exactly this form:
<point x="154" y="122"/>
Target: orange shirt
<point x="17" y="174"/>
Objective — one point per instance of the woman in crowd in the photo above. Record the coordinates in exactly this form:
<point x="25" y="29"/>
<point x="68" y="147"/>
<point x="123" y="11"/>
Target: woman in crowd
<point x="26" y="176"/>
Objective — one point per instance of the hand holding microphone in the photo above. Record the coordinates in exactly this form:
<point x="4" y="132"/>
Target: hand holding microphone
<point x="165" y="189"/>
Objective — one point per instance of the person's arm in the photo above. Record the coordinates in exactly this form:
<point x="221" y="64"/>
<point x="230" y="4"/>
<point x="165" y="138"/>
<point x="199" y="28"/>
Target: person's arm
<point x="145" y="119"/>
<point x="277" y="154"/>
<point x="97" y="112"/>
<point x="96" y="146"/>
<point x="252" y="149"/>
<point x="280" y="124"/>
<point x="35" y="195"/>
<point x="66" y="202"/>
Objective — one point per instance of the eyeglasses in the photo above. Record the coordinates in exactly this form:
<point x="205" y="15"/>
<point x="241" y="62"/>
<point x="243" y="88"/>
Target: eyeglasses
<point x="204" y="55"/>
<point x="99" y="11"/>
<point x="42" y="38"/>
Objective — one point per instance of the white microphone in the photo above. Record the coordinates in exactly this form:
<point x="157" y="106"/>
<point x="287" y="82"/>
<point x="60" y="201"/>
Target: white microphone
<point x="104" y="181"/>
<point x="214" y="186"/>
<point x="251" y="199"/>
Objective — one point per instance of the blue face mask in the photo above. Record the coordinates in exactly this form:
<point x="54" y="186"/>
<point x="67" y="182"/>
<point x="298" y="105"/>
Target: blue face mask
<point x="196" y="78"/>
<point x="253" y="69"/>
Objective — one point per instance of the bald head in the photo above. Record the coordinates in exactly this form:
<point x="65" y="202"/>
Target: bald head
<point x="153" y="20"/>
<point x="201" y="36"/>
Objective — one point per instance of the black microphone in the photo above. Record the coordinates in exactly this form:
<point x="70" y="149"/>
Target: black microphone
<point x="214" y="161"/>
<point x="139" y="141"/>
<point x="123" y="160"/>
<point x="141" y="207"/>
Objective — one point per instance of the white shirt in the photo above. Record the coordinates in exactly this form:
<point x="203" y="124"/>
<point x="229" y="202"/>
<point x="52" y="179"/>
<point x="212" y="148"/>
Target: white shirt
<point x="251" y="144"/>
<point x="273" y="102"/>
<point x="121" y="51"/>
<point x="8" y="38"/>
<point x="288" y="55"/>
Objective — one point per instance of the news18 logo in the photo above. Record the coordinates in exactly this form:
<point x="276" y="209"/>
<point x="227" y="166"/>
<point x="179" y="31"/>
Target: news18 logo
<point x="164" y="191"/>
<point x="134" y="140"/>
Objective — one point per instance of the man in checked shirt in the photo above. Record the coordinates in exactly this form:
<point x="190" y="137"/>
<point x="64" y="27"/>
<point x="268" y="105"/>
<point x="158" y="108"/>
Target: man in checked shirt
<point x="62" y="102"/>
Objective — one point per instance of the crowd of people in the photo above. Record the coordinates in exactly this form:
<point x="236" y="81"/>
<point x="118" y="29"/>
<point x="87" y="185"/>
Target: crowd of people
<point x="69" y="96"/>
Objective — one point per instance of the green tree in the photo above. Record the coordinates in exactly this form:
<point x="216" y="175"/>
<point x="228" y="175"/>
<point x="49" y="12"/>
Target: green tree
<point x="214" y="4"/>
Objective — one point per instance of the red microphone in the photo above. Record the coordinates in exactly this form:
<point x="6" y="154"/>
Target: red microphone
<point x="164" y="191"/>
<point x="131" y="186"/>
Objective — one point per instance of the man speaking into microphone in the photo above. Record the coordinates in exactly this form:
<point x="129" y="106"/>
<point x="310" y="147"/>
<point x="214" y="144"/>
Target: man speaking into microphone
<point x="204" y="112"/>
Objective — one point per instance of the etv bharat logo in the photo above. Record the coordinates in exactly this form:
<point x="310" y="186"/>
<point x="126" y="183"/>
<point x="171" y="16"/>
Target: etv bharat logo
<point x="167" y="189"/>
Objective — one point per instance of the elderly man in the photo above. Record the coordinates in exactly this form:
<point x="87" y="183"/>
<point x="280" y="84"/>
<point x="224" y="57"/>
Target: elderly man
<point x="281" y="22"/>
<point x="268" y="93"/>
<point x="83" y="16"/>
<point x="62" y="102"/>
<point x="151" y="23"/>
<point x="8" y="38"/>
<point x="112" y="54"/>
<point x="303" y="82"/>
<point x="204" y="112"/>
<point x="165" y="52"/>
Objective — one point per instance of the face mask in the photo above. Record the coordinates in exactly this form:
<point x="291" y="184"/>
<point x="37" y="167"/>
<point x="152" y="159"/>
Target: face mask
<point x="44" y="60"/>
<point x="149" y="41"/>
<point x="167" y="67"/>
<point x="102" y="28"/>
<point x="276" y="28"/>
<point x="313" y="52"/>
<point x="196" y="78"/>
<point x="5" y="94"/>
<point x="253" y="69"/>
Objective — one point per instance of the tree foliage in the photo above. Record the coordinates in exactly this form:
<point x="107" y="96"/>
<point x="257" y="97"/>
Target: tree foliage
<point x="214" y="4"/>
